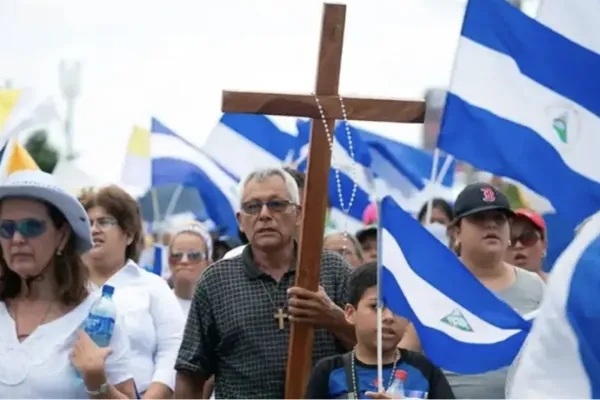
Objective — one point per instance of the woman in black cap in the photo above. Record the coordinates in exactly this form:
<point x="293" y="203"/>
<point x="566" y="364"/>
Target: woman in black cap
<point x="480" y="236"/>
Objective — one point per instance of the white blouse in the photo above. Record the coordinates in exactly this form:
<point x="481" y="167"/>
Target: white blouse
<point x="185" y="305"/>
<point x="40" y="366"/>
<point x="154" y="323"/>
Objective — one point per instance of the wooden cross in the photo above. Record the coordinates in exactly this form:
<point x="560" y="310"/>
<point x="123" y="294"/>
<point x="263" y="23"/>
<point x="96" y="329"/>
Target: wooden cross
<point x="299" y="362"/>
<point x="281" y="316"/>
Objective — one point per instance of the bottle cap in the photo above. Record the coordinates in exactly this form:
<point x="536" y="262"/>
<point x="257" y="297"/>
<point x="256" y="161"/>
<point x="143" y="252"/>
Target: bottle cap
<point x="108" y="290"/>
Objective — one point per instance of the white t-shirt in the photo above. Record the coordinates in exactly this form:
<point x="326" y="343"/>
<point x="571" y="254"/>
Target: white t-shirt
<point x="154" y="323"/>
<point x="185" y="305"/>
<point x="234" y="252"/>
<point x="40" y="366"/>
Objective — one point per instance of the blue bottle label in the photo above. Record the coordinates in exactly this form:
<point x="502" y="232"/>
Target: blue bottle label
<point x="97" y="325"/>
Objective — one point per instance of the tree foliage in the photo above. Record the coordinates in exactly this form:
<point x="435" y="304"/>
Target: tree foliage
<point x="42" y="151"/>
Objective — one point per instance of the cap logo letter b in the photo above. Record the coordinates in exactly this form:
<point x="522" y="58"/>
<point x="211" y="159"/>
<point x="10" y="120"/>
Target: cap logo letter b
<point x="489" y="196"/>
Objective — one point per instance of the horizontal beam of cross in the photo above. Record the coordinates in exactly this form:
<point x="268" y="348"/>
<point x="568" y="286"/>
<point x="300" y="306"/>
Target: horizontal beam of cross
<point x="297" y="105"/>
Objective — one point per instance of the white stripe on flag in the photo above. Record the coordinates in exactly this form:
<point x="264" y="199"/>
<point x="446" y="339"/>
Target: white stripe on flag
<point x="519" y="99"/>
<point x="552" y="361"/>
<point x="236" y="153"/>
<point x="430" y="304"/>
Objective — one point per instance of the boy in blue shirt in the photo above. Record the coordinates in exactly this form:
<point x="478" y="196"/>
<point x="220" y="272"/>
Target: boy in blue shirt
<point x="342" y="376"/>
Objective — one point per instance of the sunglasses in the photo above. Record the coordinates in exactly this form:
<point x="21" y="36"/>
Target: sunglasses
<point x="191" y="256"/>
<point x="527" y="239"/>
<point x="28" y="228"/>
<point x="255" y="206"/>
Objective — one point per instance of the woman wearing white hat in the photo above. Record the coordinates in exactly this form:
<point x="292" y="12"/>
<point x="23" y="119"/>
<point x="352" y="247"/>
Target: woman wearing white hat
<point x="44" y="299"/>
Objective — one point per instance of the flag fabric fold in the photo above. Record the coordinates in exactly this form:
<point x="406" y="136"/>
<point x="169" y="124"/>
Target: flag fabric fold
<point x="176" y="161"/>
<point x="535" y="120"/>
<point x="137" y="167"/>
<point x="561" y="358"/>
<point x="423" y="281"/>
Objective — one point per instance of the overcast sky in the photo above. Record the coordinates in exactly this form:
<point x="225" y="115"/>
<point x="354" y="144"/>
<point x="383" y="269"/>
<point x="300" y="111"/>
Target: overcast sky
<point x="172" y="58"/>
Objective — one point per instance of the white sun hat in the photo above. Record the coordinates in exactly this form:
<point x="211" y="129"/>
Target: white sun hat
<point x="39" y="185"/>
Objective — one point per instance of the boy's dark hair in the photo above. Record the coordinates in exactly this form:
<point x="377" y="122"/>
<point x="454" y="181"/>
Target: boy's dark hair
<point x="361" y="279"/>
<point x="441" y="205"/>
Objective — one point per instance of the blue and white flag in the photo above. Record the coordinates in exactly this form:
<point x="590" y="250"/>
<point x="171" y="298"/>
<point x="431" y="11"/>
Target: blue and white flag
<point x="350" y="172"/>
<point x="463" y="327"/>
<point x="523" y="103"/>
<point x="176" y="161"/>
<point x="241" y="143"/>
<point x="415" y="163"/>
<point x="561" y="358"/>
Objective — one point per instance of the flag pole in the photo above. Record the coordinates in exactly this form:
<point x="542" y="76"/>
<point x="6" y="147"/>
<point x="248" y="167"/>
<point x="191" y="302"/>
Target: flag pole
<point x="379" y="301"/>
<point x="432" y="180"/>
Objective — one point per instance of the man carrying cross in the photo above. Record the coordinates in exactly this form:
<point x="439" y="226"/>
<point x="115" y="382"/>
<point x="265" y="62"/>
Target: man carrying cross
<point x="237" y="327"/>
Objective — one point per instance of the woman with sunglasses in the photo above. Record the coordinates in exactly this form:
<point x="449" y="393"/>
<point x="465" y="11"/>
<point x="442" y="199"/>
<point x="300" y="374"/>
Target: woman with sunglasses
<point x="189" y="254"/>
<point x="528" y="242"/>
<point x="44" y="299"/>
<point x="153" y="318"/>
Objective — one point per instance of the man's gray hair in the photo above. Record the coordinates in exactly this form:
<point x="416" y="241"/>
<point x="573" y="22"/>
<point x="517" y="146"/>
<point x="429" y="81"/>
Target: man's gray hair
<point x="262" y="174"/>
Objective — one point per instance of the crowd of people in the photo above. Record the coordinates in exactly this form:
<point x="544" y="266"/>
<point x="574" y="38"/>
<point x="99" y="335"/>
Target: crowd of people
<point x="220" y="325"/>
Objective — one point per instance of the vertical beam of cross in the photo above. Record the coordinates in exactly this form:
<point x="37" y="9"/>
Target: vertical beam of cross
<point x="315" y="197"/>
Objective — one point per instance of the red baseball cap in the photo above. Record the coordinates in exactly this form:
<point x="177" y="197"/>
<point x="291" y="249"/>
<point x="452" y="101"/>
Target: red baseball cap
<point x="532" y="216"/>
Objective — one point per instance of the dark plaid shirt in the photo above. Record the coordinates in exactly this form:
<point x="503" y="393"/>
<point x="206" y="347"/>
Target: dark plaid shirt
<point x="231" y="330"/>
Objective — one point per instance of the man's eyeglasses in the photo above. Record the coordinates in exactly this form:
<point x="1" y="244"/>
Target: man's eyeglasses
<point x="104" y="222"/>
<point x="527" y="239"/>
<point x="255" y="206"/>
<point x="191" y="256"/>
<point x="28" y="228"/>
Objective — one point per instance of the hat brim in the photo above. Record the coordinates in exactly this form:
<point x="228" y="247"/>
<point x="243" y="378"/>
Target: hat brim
<point x="70" y="208"/>
<point x="477" y="210"/>
<point x="525" y="216"/>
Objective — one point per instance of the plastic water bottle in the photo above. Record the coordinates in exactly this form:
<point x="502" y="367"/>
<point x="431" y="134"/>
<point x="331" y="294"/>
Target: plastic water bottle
<point x="100" y="322"/>
<point x="396" y="389"/>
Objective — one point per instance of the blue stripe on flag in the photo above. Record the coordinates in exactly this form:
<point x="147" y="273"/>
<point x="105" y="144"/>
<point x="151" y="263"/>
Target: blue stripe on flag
<point x="389" y="168"/>
<point x="423" y="281"/>
<point x="361" y="199"/>
<point x="561" y="358"/>
<point x="418" y="162"/>
<point x="362" y="159"/>
<point x="505" y="148"/>
<point x="158" y="127"/>
<point x="157" y="260"/>
<point x="583" y="312"/>
<point x="541" y="54"/>
<point x="261" y="131"/>
<point x="175" y="161"/>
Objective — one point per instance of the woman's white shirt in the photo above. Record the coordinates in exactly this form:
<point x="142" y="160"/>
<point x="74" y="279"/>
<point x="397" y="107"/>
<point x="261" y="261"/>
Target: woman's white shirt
<point x="40" y="366"/>
<point x="185" y="305"/>
<point x="154" y="323"/>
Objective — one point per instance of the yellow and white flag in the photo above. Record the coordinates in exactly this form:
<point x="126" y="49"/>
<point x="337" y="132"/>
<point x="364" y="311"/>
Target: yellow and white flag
<point x="137" y="168"/>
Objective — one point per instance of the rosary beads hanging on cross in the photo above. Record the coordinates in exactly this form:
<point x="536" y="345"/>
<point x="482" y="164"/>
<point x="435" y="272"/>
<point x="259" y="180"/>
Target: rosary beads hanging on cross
<point x="319" y="157"/>
<point x="338" y="183"/>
